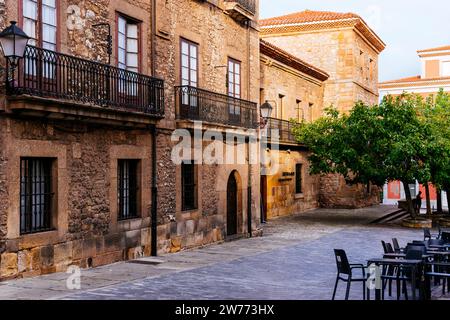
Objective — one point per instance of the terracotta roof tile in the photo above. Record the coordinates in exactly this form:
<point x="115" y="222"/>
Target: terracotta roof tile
<point x="308" y="20"/>
<point x="415" y="81"/>
<point x="307" y="16"/>
<point x="292" y="61"/>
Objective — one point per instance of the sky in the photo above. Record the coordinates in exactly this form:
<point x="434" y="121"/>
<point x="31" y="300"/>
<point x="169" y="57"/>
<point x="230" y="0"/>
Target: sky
<point x="404" y="25"/>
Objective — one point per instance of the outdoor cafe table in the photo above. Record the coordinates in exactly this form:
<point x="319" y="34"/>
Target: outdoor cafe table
<point x="413" y="264"/>
<point x="403" y="255"/>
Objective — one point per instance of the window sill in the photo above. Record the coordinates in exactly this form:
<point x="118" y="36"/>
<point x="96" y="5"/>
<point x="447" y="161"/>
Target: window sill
<point x="31" y="240"/>
<point x="300" y="196"/>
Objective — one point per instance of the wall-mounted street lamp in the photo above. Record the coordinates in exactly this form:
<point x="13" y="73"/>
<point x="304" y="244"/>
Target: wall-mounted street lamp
<point x="13" y="42"/>
<point x="266" y="112"/>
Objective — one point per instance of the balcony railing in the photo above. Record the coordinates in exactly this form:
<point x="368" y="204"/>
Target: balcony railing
<point x="284" y="128"/>
<point x="50" y="74"/>
<point x="202" y="105"/>
<point x="249" y="5"/>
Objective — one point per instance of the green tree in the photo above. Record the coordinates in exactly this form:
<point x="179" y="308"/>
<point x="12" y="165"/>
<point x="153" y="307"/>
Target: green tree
<point x="372" y="144"/>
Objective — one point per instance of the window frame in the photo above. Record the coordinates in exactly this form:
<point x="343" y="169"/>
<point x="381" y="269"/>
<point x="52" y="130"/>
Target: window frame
<point x="129" y="20"/>
<point x="299" y="178"/>
<point x="189" y="80"/>
<point x="233" y="82"/>
<point x="39" y="30"/>
<point x="193" y="186"/>
<point x="26" y="181"/>
<point x="133" y="165"/>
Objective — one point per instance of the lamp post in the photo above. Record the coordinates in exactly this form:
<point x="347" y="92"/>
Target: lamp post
<point x="13" y="41"/>
<point x="266" y="111"/>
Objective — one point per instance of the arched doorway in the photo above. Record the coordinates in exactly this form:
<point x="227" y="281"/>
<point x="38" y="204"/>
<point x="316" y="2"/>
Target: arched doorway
<point x="232" y="205"/>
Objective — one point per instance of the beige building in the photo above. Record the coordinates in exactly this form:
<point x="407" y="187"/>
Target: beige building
<point x="347" y="49"/>
<point x="295" y="88"/>
<point x="86" y="170"/>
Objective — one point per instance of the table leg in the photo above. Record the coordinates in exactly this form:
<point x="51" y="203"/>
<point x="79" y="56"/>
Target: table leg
<point x="413" y="282"/>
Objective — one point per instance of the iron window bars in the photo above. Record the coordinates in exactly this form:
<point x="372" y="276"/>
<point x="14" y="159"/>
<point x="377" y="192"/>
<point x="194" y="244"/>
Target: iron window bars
<point x="127" y="189"/>
<point x="36" y="196"/>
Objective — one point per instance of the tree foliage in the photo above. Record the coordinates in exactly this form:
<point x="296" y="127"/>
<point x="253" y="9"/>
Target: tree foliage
<point x="404" y="138"/>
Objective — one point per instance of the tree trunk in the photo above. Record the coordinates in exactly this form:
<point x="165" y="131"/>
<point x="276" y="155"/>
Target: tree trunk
<point x="427" y="192"/>
<point x="411" y="209"/>
<point x="439" y="201"/>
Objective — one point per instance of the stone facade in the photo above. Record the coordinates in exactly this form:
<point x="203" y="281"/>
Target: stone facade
<point x="351" y="63"/>
<point x="218" y="37"/>
<point x="85" y="149"/>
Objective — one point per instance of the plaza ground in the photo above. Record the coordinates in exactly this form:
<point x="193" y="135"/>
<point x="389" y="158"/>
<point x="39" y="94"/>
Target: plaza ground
<point x="293" y="260"/>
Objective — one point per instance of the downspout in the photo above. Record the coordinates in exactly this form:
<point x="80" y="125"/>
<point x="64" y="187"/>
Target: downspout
<point x="154" y="190"/>
<point x="249" y="188"/>
<point x="153" y="39"/>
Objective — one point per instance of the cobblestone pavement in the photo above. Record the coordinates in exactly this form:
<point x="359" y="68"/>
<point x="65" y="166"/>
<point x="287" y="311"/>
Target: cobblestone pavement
<point x="293" y="260"/>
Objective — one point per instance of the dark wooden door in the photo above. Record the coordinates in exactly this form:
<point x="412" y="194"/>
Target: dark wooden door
<point x="263" y="199"/>
<point x="232" y="206"/>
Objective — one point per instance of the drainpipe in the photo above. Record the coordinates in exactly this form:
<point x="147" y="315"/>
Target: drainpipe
<point x="154" y="190"/>
<point x="249" y="188"/>
<point x="153" y="39"/>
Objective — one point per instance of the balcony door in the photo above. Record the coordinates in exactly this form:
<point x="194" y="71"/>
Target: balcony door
<point x="128" y="58"/>
<point x="189" y="79"/>
<point x="234" y="90"/>
<point x="39" y="20"/>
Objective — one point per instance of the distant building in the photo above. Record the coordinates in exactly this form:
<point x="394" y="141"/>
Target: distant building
<point x="435" y="64"/>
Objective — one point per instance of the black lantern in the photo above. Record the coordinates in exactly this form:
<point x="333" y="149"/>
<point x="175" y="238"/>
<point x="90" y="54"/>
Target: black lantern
<point x="266" y="110"/>
<point x="13" y="42"/>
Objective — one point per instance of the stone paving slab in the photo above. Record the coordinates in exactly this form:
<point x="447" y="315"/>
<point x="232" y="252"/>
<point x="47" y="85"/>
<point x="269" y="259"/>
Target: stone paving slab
<point x="292" y="261"/>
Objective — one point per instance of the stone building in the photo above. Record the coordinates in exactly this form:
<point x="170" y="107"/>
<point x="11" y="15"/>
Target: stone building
<point x="345" y="47"/>
<point x="295" y="88"/>
<point x="86" y="170"/>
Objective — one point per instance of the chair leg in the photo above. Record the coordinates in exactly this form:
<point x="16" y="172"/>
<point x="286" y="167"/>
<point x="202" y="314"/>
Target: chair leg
<point x="405" y="289"/>
<point x="364" y="290"/>
<point x="390" y="287"/>
<point x="347" y="293"/>
<point x="398" y="287"/>
<point x="335" y="287"/>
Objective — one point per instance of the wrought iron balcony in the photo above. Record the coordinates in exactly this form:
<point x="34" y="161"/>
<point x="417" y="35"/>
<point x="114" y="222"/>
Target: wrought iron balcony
<point x="284" y="128"/>
<point x="48" y="74"/>
<point x="211" y="107"/>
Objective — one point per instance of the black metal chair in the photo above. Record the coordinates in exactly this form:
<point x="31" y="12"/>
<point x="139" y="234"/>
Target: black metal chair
<point x="427" y="234"/>
<point x="445" y="236"/>
<point x="345" y="273"/>
<point x="397" y="247"/>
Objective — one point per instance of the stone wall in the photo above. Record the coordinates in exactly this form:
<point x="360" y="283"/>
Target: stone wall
<point x="338" y="52"/>
<point x="282" y="198"/>
<point x="277" y="78"/>
<point x="87" y="231"/>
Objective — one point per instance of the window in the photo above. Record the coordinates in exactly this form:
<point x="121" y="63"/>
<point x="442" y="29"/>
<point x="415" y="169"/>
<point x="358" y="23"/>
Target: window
<point x="446" y="68"/>
<point x="189" y="186"/>
<point x="36" y="195"/>
<point x="128" y="44"/>
<point x="189" y="63"/>
<point x="40" y="22"/>
<point x="128" y="189"/>
<point x="234" y="78"/>
<point x="298" y="178"/>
